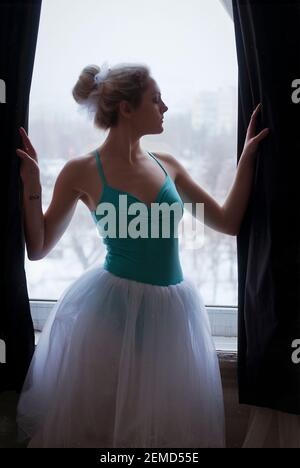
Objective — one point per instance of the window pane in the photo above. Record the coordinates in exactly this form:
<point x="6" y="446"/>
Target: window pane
<point x="190" y="49"/>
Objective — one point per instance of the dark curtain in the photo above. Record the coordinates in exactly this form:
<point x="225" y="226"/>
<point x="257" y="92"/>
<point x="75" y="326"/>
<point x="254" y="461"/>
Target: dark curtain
<point x="19" y="22"/>
<point x="268" y="50"/>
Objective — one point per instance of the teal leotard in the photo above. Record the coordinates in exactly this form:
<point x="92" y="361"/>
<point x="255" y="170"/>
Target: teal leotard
<point x="153" y="260"/>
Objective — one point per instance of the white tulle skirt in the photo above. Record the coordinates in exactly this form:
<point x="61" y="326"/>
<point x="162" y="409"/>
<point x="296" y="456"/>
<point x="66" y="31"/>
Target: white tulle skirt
<point x="124" y="364"/>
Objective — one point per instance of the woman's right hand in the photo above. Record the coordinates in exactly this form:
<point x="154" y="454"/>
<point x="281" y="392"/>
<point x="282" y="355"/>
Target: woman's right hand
<point x="29" y="170"/>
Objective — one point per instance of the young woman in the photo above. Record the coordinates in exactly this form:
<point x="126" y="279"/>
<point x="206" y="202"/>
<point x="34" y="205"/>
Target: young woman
<point x="126" y="358"/>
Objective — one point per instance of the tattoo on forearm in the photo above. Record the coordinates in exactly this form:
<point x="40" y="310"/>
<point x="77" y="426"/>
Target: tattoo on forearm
<point x="34" y="196"/>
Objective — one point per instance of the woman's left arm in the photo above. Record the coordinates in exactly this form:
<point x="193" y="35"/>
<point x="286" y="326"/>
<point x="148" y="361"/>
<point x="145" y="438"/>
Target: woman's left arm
<point x="228" y="217"/>
<point x="236" y="202"/>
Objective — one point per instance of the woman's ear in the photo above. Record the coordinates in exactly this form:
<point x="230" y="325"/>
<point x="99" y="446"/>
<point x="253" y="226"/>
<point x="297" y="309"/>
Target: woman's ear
<point x="125" y="109"/>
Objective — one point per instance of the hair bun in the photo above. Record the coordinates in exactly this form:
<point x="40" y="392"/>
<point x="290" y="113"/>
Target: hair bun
<point x="85" y="84"/>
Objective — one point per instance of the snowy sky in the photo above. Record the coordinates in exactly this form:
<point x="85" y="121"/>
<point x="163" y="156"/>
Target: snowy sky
<point x="188" y="45"/>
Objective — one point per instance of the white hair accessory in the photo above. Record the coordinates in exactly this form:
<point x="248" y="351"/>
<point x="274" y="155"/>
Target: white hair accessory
<point x="102" y="74"/>
<point x="91" y="103"/>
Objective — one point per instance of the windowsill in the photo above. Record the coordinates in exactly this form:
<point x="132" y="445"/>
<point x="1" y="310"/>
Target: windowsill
<point x="226" y="347"/>
<point x="226" y="344"/>
<point x="223" y="321"/>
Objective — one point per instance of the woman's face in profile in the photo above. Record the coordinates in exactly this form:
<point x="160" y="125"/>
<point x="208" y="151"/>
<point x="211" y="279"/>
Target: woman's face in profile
<point x="148" y="117"/>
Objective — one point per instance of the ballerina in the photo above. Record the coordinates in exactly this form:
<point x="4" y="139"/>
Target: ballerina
<point x="126" y="358"/>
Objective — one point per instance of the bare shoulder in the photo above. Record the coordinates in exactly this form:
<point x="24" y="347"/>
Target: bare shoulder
<point x="75" y="170"/>
<point x="172" y="164"/>
<point x="69" y="173"/>
<point x="78" y="163"/>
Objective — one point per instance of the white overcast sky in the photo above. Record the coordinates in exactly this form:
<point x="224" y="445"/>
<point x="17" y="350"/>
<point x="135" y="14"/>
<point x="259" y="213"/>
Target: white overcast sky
<point x="188" y="44"/>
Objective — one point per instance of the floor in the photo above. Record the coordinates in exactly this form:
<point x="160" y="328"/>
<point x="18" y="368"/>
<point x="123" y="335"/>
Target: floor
<point x="8" y="428"/>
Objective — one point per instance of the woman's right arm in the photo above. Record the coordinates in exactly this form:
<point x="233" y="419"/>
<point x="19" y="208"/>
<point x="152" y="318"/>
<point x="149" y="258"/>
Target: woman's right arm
<point x="43" y="231"/>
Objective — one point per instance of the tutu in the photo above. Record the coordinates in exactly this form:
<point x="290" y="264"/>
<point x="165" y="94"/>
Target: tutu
<point x="124" y="364"/>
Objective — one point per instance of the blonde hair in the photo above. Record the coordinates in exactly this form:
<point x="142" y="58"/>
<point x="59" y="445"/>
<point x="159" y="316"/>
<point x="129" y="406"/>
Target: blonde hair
<point x="123" y="82"/>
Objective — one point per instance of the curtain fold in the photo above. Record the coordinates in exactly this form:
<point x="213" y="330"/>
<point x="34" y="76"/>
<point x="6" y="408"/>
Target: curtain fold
<point x="19" y="22"/>
<point x="268" y="50"/>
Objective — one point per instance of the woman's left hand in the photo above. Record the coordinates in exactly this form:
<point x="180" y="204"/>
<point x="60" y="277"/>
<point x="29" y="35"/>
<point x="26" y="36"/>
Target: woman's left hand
<point x="252" y="141"/>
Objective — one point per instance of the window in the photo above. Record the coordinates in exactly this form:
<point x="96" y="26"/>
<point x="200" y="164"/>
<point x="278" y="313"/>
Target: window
<point x="190" y="48"/>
